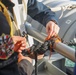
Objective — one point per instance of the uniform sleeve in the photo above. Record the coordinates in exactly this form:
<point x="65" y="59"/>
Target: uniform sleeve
<point x="38" y="11"/>
<point x="25" y="67"/>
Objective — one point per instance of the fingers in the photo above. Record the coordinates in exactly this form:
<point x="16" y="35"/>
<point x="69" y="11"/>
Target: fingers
<point x="55" y="30"/>
<point x="40" y="56"/>
<point x="49" y="29"/>
<point x="52" y="29"/>
<point x="21" y="46"/>
<point x="18" y="38"/>
<point x="20" y="57"/>
<point x="20" y="43"/>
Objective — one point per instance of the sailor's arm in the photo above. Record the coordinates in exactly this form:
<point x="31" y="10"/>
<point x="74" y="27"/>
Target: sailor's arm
<point x="44" y="15"/>
<point x="40" y="12"/>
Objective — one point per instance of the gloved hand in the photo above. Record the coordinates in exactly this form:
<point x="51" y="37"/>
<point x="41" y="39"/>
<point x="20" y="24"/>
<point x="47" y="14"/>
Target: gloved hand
<point x="19" y="43"/>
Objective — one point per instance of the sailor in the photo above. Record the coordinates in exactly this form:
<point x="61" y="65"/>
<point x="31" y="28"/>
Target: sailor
<point x="39" y="12"/>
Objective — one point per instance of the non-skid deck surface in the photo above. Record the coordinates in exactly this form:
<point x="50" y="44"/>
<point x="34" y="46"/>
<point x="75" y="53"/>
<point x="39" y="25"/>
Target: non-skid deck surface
<point x="43" y="73"/>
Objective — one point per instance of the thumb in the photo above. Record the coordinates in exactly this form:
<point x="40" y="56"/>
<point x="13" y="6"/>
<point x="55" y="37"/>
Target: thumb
<point x="17" y="38"/>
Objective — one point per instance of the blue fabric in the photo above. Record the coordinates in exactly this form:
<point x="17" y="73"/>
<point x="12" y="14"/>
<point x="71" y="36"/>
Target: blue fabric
<point x="75" y="69"/>
<point x="40" y="12"/>
<point x="4" y="26"/>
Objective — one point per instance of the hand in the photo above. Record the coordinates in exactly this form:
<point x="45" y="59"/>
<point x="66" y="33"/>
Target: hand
<point x="21" y="57"/>
<point x="39" y="56"/>
<point x="52" y="29"/>
<point x="19" y="43"/>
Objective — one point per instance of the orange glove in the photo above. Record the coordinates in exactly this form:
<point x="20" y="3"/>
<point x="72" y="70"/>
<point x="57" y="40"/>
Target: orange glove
<point x="19" y="43"/>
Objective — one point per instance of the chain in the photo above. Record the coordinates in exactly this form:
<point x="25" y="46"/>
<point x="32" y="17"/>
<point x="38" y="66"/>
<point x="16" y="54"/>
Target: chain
<point x="42" y="48"/>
